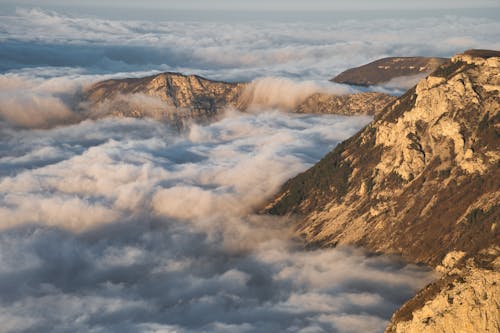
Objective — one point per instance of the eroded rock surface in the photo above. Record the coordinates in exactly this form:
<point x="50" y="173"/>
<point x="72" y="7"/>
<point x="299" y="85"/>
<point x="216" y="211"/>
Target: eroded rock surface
<point x="465" y="299"/>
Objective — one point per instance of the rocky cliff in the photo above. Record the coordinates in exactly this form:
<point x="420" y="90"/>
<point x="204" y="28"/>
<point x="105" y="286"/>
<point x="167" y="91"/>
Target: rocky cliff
<point x="179" y="98"/>
<point x="421" y="181"/>
<point x="386" y="69"/>
<point x="167" y="95"/>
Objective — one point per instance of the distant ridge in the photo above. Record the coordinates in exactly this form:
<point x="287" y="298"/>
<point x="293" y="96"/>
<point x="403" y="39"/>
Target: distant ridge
<point x="485" y="54"/>
<point x="169" y="96"/>
<point x="386" y="69"/>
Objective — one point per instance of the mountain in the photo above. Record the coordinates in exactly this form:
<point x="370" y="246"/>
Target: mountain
<point x="168" y="95"/>
<point x="421" y="181"/>
<point x="179" y="98"/>
<point x="386" y="69"/>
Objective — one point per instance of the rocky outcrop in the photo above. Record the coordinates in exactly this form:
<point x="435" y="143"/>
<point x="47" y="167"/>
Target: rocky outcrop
<point x="172" y="96"/>
<point x="386" y="69"/>
<point x="421" y="181"/>
<point x="350" y="104"/>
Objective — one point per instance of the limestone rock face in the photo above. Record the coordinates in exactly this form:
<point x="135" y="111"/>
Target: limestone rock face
<point x="351" y="104"/>
<point x="386" y="69"/>
<point x="421" y="181"/>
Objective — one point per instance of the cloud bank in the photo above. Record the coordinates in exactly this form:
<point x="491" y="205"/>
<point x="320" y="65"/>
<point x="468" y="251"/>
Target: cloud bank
<point x="240" y="50"/>
<point x="127" y="225"/>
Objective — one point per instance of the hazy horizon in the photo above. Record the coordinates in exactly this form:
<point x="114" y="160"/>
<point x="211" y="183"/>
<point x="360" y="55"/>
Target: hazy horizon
<point x="258" y="10"/>
<point x="279" y="5"/>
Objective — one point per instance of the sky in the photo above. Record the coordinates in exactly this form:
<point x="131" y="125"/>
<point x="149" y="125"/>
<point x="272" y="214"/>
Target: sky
<point x="296" y="5"/>
<point x="130" y="225"/>
<point x="236" y="10"/>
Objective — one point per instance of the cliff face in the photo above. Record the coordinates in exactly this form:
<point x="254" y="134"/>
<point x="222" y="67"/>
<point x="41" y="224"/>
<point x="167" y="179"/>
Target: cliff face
<point x="421" y="181"/>
<point x="386" y="69"/>
<point x="428" y="164"/>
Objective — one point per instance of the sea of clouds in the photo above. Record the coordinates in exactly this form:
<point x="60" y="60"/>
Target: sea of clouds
<point x="129" y="225"/>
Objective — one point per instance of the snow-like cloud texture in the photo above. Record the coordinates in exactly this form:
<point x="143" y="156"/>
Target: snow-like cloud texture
<point x="128" y="225"/>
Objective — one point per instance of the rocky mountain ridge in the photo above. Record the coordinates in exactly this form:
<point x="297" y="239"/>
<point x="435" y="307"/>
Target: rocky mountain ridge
<point x="464" y="299"/>
<point x="172" y="96"/>
<point x="384" y="70"/>
<point x="421" y="181"/>
<point x="178" y="98"/>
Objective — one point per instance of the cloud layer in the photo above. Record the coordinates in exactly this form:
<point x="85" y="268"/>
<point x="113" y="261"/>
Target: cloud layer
<point x="232" y="50"/>
<point x="127" y="225"/>
<point x="122" y="224"/>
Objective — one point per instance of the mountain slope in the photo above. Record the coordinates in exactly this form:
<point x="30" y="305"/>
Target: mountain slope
<point x="386" y="69"/>
<point x="421" y="181"/>
<point x="464" y="299"/>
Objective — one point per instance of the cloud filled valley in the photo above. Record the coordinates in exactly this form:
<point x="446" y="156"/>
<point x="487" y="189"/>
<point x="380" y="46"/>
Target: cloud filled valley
<point x="123" y="224"/>
<point x="116" y="224"/>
